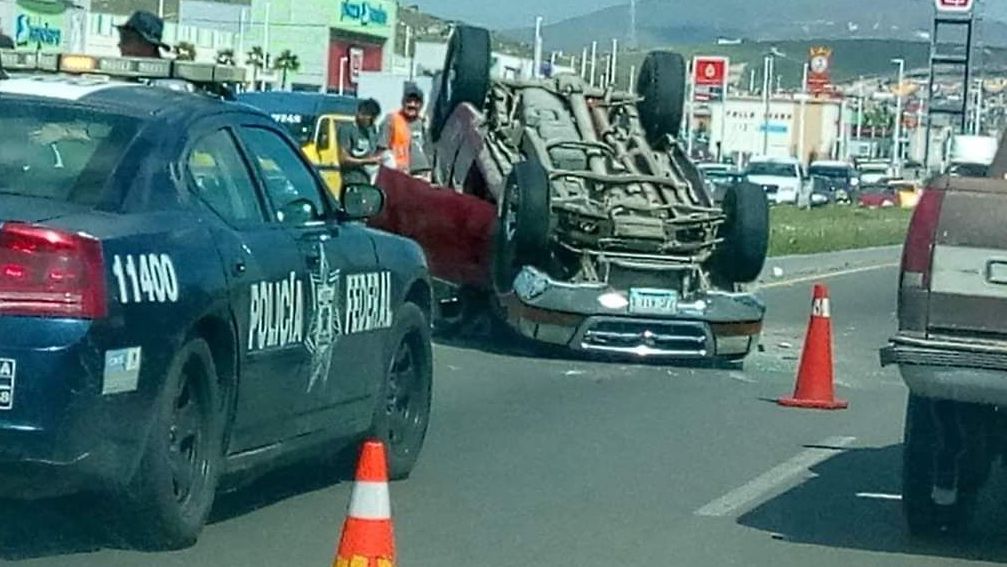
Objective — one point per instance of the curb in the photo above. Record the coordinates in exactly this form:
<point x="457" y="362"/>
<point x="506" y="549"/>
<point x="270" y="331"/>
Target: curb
<point x="780" y="267"/>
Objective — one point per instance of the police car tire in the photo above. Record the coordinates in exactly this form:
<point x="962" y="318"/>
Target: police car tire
<point x="661" y="83"/>
<point x="153" y="518"/>
<point x="469" y="56"/>
<point x="742" y="254"/>
<point x="411" y="330"/>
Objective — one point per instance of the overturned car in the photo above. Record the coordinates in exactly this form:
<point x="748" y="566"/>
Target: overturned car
<point x="578" y="213"/>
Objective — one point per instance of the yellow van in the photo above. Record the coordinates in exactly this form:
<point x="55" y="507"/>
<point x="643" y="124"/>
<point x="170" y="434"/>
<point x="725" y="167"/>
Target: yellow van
<point x="313" y="120"/>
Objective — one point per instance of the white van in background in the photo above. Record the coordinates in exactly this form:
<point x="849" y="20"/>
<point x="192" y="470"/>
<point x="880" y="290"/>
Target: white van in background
<point x="780" y="177"/>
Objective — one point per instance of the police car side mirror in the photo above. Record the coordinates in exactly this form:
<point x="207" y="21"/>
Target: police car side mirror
<point x="361" y="202"/>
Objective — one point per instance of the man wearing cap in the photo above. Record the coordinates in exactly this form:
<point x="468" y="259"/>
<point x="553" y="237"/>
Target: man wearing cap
<point x="403" y="134"/>
<point x="141" y="36"/>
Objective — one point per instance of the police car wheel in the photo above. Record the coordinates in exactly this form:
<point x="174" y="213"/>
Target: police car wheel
<point x="402" y="410"/>
<point x="171" y="494"/>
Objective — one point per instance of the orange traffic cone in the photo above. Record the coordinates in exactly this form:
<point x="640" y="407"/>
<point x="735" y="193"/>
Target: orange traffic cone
<point x="814" y="375"/>
<point x="368" y="538"/>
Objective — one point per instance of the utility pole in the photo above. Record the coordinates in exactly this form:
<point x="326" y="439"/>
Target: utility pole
<point x="751" y="82"/>
<point x="860" y="108"/>
<point x="632" y="77"/>
<point x="632" y="24"/>
<point x="977" y="126"/>
<point x="897" y="142"/>
<point x="583" y="64"/>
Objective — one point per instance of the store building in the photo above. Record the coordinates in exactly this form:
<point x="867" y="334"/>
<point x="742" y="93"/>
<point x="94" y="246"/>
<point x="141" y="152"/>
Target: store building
<point x="740" y="128"/>
<point x="45" y="25"/>
<point x="333" y="39"/>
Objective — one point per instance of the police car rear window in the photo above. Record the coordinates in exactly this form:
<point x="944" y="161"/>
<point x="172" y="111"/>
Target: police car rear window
<point x="57" y="152"/>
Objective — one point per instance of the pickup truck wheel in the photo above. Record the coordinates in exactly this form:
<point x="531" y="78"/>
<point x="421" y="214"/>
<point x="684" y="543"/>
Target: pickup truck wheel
<point x="167" y="502"/>
<point x="921" y="447"/>
<point x="466" y="77"/>
<point x="661" y="83"/>
<point x="742" y="254"/>
<point x="522" y="237"/>
<point x="402" y="406"/>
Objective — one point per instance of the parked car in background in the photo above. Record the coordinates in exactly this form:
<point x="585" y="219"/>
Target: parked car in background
<point x="718" y="177"/>
<point x="877" y="195"/>
<point x="873" y="171"/>
<point x="781" y="178"/>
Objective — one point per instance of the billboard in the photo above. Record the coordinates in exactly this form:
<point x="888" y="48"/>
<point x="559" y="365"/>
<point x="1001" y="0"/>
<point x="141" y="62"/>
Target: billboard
<point x="819" y="70"/>
<point x="709" y="77"/>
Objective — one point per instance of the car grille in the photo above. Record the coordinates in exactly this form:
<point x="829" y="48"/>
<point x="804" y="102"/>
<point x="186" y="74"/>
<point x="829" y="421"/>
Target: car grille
<point x="647" y="337"/>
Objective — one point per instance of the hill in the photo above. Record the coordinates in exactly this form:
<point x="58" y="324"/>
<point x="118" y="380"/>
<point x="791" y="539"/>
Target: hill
<point x="674" y="22"/>
<point x="851" y="58"/>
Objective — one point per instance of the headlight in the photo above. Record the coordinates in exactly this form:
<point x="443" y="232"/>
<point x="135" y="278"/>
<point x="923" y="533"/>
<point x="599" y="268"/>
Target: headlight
<point x="530" y="283"/>
<point x="613" y="300"/>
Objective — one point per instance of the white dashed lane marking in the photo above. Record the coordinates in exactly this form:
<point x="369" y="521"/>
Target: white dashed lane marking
<point x="780" y="476"/>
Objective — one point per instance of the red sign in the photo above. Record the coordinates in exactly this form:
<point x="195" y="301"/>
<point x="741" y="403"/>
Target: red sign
<point x="356" y="63"/>
<point x="819" y="70"/>
<point x="709" y="71"/>
<point x="959" y="6"/>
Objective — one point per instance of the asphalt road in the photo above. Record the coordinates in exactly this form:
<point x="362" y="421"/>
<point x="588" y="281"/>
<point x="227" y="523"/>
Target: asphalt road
<point x="566" y="462"/>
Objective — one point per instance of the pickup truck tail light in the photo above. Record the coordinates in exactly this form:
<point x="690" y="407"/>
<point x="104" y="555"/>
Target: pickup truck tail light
<point x="50" y="273"/>
<point x="917" y="255"/>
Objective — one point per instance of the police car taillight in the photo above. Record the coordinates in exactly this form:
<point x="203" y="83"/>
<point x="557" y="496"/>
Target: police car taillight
<point x="50" y="273"/>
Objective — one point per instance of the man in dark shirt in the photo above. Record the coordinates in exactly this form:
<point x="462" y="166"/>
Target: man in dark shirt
<point x="141" y="36"/>
<point x="359" y="157"/>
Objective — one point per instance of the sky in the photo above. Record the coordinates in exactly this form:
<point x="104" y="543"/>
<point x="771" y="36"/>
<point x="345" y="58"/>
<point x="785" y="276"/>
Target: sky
<point x="511" y="13"/>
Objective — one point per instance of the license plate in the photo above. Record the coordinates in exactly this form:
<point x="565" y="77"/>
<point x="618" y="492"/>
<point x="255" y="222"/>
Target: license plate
<point x="653" y="301"/>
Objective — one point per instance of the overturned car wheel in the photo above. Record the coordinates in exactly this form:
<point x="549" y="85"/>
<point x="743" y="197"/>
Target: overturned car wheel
<point x="522" y="237"/>
<point x="742" y="254"/>
<point x="662" y="85"/>
<point x="466" y="76"/>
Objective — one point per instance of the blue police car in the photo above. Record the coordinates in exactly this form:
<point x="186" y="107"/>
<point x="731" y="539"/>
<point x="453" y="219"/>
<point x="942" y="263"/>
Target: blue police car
<point x="182" y="304"/>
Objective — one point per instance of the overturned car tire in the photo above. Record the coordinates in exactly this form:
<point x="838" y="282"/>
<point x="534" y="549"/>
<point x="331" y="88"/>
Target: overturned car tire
<point x="662" y="85"/>
<point x="522" y="237"/>
<point x="466" y="76"/>
<point x="742" y="254"/>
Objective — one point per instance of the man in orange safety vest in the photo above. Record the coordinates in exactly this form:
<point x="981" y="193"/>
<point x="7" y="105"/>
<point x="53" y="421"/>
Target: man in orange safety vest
<point x="404" y="137"/>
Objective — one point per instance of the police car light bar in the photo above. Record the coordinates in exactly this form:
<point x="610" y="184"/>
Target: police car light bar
<point x="132" y="67"/>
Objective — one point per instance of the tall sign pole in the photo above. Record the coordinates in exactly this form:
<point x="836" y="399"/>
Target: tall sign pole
<point x="958" y="15"/>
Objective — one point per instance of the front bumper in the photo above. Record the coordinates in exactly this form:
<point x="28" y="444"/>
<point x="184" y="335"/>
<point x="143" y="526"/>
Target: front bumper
<point x="589" y="317"/>
<point x="950" y="369"/>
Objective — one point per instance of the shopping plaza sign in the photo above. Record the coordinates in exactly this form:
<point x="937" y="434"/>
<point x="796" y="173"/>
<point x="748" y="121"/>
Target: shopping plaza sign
<point x="39" y="24"/>
<point x="365" y="13"/>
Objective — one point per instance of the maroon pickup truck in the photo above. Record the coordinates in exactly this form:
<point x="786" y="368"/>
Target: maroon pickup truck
<point x="951" y="346"/>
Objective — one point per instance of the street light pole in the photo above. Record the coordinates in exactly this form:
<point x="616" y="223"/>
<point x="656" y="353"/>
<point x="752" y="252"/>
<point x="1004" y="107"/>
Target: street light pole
<point x="537" y="71"/>
<point x="611" y="70"/>
<point x="897" y="145"/>
<point x="766" y="86"/>
<point x="594" y="61"/>
<point x="804" y="116"/>
<point x="583" y="63"/>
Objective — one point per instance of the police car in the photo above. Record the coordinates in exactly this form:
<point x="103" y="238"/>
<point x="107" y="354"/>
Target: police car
<point x="182" y="303"/>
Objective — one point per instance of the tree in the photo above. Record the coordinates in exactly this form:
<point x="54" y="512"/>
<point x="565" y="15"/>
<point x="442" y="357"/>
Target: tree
<point x="226" y="57"/>
<point x="256" y="58"/>
<point x="287" y="62"/>
<point x="186" y="51"/>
